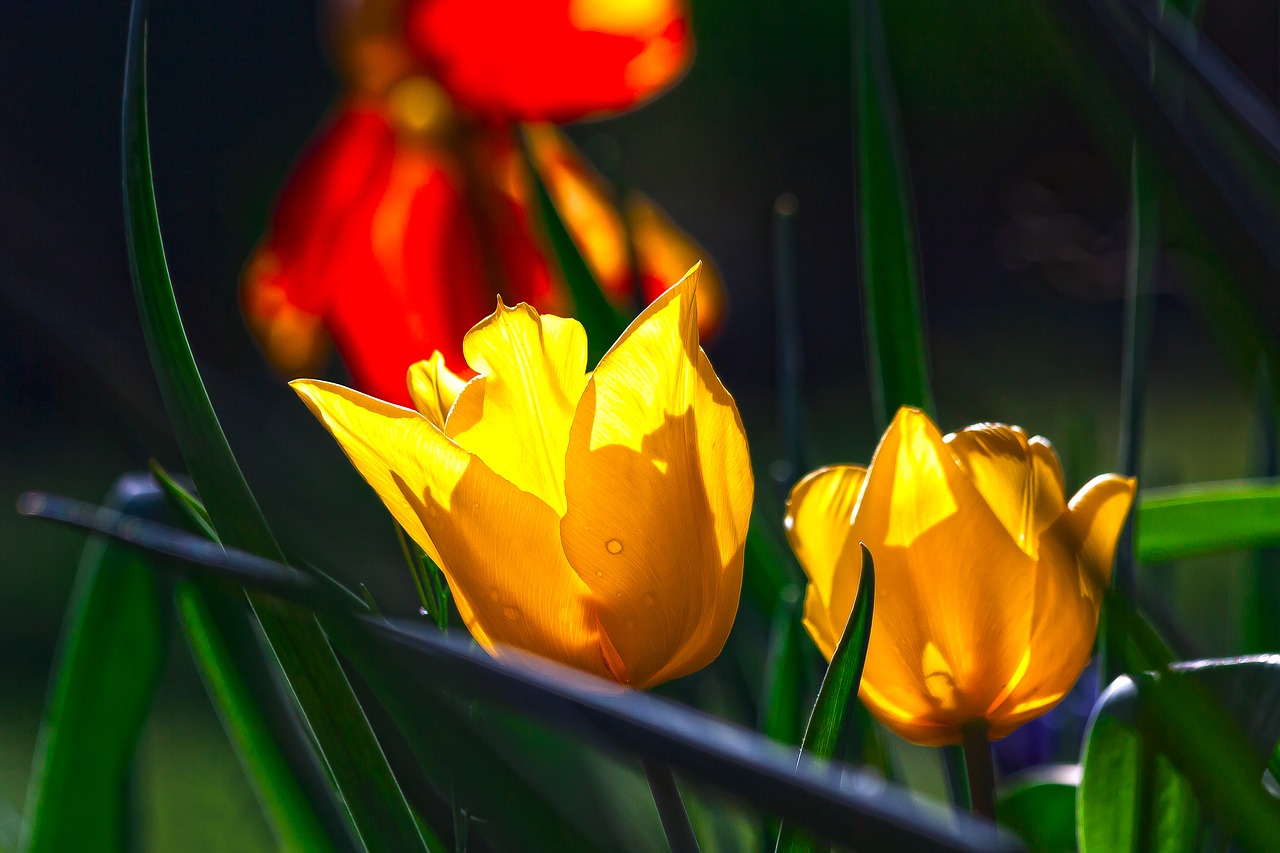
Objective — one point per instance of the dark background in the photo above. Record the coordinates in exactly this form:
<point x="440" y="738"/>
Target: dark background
<point x="1021" y="214"/>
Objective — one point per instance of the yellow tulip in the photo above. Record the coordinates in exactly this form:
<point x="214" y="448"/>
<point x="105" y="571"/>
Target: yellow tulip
<point x="597" y="519"/>
<point x="988" y="583"/>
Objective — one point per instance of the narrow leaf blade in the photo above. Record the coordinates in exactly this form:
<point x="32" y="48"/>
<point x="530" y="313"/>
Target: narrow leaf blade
<point x="1207" y="518"/>
<point x="893" y="313"/>
<point x="359" y="770"/>
<point x="111" y="655"/>
<point x="838" y="694"/>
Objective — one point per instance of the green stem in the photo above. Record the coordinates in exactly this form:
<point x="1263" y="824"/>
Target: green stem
<point x="982" y="777"/>
<point x="666" y="796"/>
<point x="957" y="771"/>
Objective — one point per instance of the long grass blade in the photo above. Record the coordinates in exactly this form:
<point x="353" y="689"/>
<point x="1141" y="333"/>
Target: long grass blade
<point x="836" y="803"/>
<point x="832" y="714"/>
<point x="1177" y="522"/>
<point x="110" y="658"/>
<point x="893" y="312"/>
<point x="358" y="768"/>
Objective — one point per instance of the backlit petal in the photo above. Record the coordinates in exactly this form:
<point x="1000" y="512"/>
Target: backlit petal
<point x="517" y="417"/>
<point x="818" y="522"/>
<point x="433" y="387"/>
<point x="1019" y="477"/>
<point x="656" y="427"/>
<point x="551" y="59"/>
<point x="452" y="504"/>
<point x="1074" y="569"/>
<point x="954" y="594"/>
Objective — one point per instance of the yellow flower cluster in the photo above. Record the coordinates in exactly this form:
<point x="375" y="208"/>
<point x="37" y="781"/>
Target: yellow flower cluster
<point x="599" y="519"/>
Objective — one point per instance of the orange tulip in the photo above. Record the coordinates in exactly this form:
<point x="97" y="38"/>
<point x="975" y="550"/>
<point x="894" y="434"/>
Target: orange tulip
<point x="411" y="210"/>
<point x="598" y="519"/>
<point x="988" y="583"/>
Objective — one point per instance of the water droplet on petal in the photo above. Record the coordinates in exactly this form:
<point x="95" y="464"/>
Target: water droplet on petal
<point x="649" y="600"/>
<point x="512" y="613"/>
<point x="613" y="546"/>
<point x="599" y="573"/>
<point x="494" y="594"/>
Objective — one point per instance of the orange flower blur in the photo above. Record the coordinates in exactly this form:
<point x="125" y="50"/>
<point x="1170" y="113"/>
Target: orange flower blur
<point x="410" y="211"/>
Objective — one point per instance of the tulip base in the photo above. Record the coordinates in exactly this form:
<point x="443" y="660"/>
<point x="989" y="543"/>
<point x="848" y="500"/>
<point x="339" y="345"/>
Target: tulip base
<point x="977" y="760"/>
<point x="666" y="796"/>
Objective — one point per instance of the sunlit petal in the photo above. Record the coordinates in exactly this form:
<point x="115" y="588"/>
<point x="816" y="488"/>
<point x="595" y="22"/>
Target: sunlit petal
<point x="517" y="418"/>
<point x="656" y="425"/>
<point x="1097" y="513"/>
<point x="1019" y="477"/>
<point x="818" y="522"/>
<point x="947" y="576"/>
<point x="451" y="503"/>
<point x="433" y="387"/>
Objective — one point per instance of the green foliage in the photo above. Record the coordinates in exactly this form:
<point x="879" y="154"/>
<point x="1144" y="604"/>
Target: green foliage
<point x="1040" y="805"/>
<point x="1207" y="518"/>
<point x="357" y="766"/>
<point x="891" y="301"/>
<point x="112" y="652"/>
<point x="831" y="716"/>
<point x="1176" y="756"/>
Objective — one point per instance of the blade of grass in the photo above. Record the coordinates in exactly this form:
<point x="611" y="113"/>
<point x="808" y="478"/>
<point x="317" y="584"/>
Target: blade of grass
<point x="110" y="658"/>
<point x="457" y="761"/>
<point x="358" y="768"/>
<point x="830" y="720"/>
<point x="285" y="804"/>
<point x="893" y="312"/>
<point x="839" y="803"/>
<point x="1177" y="522"/>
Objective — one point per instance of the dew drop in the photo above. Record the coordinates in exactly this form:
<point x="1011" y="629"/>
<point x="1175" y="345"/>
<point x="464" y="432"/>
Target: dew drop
<point x="613" y="546"/>
<point x="512" y="613"/>
<point x="599" y="573"/>
<point x="494" y="594"/>
<point x="649" y="600"/>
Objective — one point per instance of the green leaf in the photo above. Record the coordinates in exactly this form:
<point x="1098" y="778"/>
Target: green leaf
<point x="784" y="673"/>
<point x="838" y="694"/>
<point x="1040" y="805"/>
<point x="1176" y="756"/>
<point x="285" y="804"/>
<point x="1207" y="518"/>
<point x="110" y="659"/>
<point x="892" y="311"/>
<point x="358" y="768"/>
<point x="603" y="322"/>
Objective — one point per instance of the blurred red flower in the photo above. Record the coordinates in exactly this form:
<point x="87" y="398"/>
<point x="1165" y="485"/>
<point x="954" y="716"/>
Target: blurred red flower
<point x="410" y="211"/>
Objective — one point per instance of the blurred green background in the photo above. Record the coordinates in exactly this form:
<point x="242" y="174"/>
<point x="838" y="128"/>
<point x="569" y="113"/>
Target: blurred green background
<point x="1021" y="208"/>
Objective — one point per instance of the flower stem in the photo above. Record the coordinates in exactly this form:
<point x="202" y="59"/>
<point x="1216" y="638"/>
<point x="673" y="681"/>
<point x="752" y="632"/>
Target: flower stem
<point x="666" y="796"/>
<point x="982" y="778"/>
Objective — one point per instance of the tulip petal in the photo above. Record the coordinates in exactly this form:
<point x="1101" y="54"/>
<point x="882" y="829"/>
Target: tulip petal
<point x="1020" y="478"/>
<point x="659" y="491"/>
<point x="517" y="417"/>
<point x="553" y="60"/>
<point x="466" y="518"/>
<point x="1074" y="568"/>
<point x="1097" y="513"/>
<point x="818" y="521"/>
<point x="433" y="387"/>
<point x="954" y="594"/>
